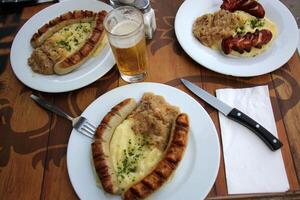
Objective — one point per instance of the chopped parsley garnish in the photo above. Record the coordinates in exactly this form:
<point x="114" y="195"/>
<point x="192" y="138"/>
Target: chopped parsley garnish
<point x="64" y="44"/>
<point x="78" y="27"/>
<point x="256" y="23"/>
<point x="240" y="30"/>
<point x="131" y="157"/>
<point x="86" y="30"/>
<point x="133" y="179"/>
<point x="76" y="41"/>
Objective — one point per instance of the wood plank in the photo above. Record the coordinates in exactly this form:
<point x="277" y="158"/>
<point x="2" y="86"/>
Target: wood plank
<point x="23" y="140"/>
<point x="56" y="176"/>
<point x="165" y="67"/>
<point x="57" y="184"/>
<point x="19" y="179"/>
<point x="208" y="84"/>
<point x="288" y="95"/>
<point x="285" y="150"/>
<point x="32" y="10"/>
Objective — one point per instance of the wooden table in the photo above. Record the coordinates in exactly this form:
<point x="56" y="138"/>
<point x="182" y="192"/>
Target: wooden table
<point x="33" y="142"/>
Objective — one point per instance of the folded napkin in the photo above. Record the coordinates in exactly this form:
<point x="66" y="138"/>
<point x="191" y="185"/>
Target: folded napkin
<point x="250" y="166"/>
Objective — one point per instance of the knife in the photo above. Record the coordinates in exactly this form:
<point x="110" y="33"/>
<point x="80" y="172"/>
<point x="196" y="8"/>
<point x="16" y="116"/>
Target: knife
<point x="233" y="113"/>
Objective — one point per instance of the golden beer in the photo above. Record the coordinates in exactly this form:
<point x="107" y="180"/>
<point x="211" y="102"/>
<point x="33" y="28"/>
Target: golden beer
<point x="127" y="40"/>
<point x="132" y="60"/>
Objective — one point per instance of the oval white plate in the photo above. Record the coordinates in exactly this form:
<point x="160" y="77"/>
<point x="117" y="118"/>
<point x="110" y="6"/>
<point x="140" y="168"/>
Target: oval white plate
<point x="277" y="55"/>
<point x="88" y="72"/>
<point x="197" y="171"/>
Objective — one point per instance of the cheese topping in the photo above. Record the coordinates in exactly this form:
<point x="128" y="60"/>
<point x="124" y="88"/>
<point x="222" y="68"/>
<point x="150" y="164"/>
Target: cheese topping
<point x="72" y="37"/>
<point x="131" y="154"/>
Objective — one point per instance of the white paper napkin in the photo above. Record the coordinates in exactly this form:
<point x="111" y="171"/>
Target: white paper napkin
<point x="250" y="166"/>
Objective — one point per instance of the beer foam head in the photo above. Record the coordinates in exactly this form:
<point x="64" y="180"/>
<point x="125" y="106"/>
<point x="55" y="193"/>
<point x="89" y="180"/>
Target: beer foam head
<point x="122" y="36"/>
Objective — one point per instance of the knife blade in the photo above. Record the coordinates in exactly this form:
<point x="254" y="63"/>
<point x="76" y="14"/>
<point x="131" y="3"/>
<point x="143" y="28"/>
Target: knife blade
<point x="233" y="113"/>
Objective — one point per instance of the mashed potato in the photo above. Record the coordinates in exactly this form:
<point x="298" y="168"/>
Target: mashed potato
<point x="210" y="29"/>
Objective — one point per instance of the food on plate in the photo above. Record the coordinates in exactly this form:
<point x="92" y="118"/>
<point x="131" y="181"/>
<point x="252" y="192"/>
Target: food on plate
<point x="241" y="43"/>
<point x="64" y="43"/>
<point x="212" y="28"/>
<point x="138" y="146"/>
<point x="235" y="30"/>
<point x="249" y="6"/>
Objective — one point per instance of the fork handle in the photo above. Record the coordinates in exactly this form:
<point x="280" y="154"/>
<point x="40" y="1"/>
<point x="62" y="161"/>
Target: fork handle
<point x="51" y="107"/>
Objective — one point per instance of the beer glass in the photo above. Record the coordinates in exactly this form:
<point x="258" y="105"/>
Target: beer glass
<point x="125" y="30"/>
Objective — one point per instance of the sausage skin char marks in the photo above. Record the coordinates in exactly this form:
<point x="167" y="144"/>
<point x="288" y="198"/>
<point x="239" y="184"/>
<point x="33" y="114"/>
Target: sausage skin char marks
<point x="100" y="146"/>
<point x="41" y="60"/>
<point x="88" y="48"/>
<point x="249" y="6"/>
<point x="242" y="43"/>
<point x="155" y="178"/>
<point x="54" y="25"/>
<point x="168" y="164"/>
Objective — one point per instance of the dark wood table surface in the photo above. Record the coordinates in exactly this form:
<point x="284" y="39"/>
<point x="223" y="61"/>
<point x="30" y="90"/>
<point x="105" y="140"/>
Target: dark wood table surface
<point x="33" y="142"/>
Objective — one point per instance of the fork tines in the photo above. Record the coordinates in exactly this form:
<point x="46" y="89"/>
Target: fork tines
<point x="87" y="128"/>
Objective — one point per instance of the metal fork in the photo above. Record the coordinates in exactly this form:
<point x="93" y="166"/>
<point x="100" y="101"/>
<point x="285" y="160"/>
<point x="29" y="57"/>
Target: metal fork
<point x="80" y="123"/>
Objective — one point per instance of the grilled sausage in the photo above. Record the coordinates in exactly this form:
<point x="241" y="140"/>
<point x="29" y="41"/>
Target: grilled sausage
<point x="54" y="25"/>
<point x="164" y="169"/>
<point x="242" y="43"/>
<point x="76" y="59"/>
<point x="65" y="64"/>
<point x="100" y="146"/>
<point x="250" y="6"/>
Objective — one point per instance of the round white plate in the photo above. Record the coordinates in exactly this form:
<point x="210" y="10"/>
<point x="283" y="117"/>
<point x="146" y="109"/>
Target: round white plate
<point x="197" y="171"/>
<point x="88" y="72"/>
<point x="278" y="54"/>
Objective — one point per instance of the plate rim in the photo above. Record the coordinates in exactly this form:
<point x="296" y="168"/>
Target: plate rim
<point x="204" y="112"/>
<point x="78" y="82"/>
<point x="236" y="73"/>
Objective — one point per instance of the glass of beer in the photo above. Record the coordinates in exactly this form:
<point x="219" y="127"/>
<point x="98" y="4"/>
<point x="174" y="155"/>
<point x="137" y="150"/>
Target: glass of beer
<point x="125" y="29"/>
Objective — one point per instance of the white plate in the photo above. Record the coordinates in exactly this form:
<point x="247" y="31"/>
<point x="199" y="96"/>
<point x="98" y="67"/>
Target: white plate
<point x="278" y="54"/>
<point x="90" y="71"/>
<point x="197" y="171"/>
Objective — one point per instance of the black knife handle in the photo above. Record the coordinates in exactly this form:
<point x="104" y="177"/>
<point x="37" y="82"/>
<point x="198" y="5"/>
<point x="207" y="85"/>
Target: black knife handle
<point x="270" y="140"/>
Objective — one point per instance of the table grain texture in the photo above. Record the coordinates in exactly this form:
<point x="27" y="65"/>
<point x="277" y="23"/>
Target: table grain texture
<point x="33" y="142"/>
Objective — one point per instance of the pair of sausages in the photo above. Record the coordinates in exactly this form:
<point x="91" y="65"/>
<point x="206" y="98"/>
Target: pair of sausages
<point x="242" y="43"/>
<point x="154" y="179"/>
<point x="73" y="61"/>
